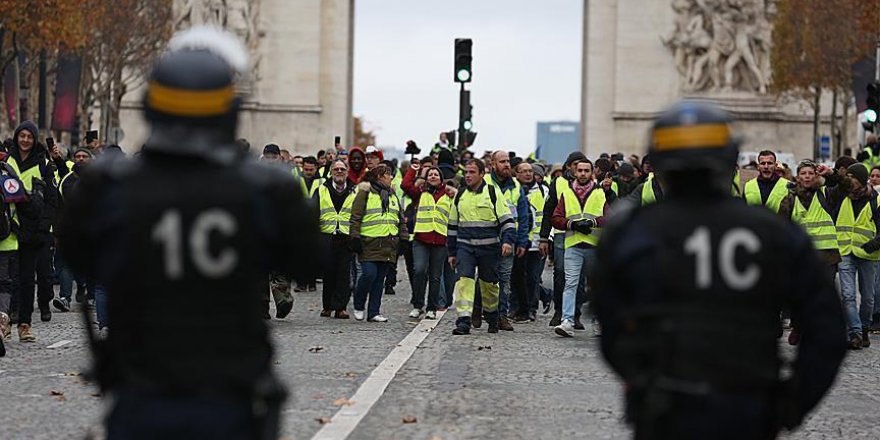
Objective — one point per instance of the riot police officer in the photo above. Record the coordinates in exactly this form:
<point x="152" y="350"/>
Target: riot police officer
<point x="689" y="291"/>
<point x="183" y="237"/>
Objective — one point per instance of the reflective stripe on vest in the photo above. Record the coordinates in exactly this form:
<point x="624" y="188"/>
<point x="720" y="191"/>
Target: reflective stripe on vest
<point x="817" y="222"/>
<point x="854" y="232"/>
<point x="431" y="216"/>
<point x="332" y="221"/>
<point x="753" y="194"/>
<point x="537" y="200"/>
<point x="377" y="223"/>
<point x="61" y="184"/>
<point x="592" y="209"/>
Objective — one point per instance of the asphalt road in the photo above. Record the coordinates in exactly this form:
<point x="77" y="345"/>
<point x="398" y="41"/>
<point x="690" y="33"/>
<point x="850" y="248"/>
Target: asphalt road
<point x="526" y="384"/>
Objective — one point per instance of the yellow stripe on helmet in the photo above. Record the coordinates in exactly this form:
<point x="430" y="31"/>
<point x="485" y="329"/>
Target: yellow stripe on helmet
<point x="691" y="136"/>
<point x="182" y="102"/>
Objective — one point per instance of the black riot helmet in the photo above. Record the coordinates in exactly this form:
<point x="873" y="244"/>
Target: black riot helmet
<point x="191" y="90"/>
<point x="692" y="135"/>
<point x="693" y="151"/>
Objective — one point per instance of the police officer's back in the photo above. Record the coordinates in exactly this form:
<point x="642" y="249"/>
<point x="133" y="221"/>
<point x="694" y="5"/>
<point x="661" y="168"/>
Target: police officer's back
<point x="183" y="238"/>
<point x="689" y="292"/>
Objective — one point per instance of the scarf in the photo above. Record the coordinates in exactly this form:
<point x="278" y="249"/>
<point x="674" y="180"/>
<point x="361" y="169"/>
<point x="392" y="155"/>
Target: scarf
<point x="581" y="191"/>
<point x="384" y="192"/>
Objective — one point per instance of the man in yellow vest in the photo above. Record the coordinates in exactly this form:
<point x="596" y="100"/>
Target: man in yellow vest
<point x="557" y="247"/>
<point x="310" y="183"/>
<point x="334" y="199"/>
<point x="769" y="188"/>
<point x="29" y="158"/>
<point x="279" y="284"/>
<point x="858" y="239"/>
<point x="526" y="278"/>
<point x="481" y="231"/>
<point x="581" y="214"/>
<point x="807" y="205"/>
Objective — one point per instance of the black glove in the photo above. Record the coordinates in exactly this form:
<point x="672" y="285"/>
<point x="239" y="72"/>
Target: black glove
<point x="356" y="245"/>
<point x="871" y="246"/>
<point x="582" y="226"/>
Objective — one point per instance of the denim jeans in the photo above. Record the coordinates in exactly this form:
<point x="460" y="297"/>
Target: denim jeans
<point x="450" y="276"/>
<point x="371" y="283"/>
<point x="65" y="277"/>
<point x="858" y="318"/>
<point x="559" y="277"/>
<point x="505" y="269"/>
<point x="577" y="260"/>
<point x="429" y="262"/>
<point x="534" y="269"/>
<point x="101" y="311"/>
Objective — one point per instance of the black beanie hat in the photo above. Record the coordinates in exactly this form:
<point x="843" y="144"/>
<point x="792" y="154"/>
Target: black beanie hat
<point x="859" y="171"/>
<point x="574" y="156"/>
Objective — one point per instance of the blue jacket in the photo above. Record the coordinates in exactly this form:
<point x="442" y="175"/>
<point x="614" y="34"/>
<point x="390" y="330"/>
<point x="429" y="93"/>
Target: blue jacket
<point x="522" y="211"/>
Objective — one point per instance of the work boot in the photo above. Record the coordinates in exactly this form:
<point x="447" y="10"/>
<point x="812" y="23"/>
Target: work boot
<point x="5" y="328"/>
<point x="477" y="318"/>
<point x="556" y="319"/>
<point x="578" y="325"/>
<point x="462" y="326"/>
<point x="855" y="342"/>
<point x="24" y="333"/>
<point x="504" y="324"/>
<point x="866" y="339"/>
<point x="492" y="320"/>
<point x="45" y="315"/>
<point x="283" y="309"/>
<point x="80" y="293"/>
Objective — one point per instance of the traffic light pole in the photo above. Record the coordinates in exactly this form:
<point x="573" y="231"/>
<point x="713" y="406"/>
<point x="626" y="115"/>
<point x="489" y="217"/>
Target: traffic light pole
<point x="461" y="118"/>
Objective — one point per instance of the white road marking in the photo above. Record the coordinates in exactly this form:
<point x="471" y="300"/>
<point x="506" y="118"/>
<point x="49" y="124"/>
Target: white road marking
<point x="347" y="418"/>
<point x="60" y="344"/>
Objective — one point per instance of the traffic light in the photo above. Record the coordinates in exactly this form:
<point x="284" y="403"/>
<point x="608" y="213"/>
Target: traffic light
<point x="465" y="110"/>
<point x="873" y="102"/>
<point x="462" y="72"/>
<point x="469" y="139"/>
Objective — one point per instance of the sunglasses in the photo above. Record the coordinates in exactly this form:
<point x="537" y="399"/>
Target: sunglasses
<point x="339" y="170"/>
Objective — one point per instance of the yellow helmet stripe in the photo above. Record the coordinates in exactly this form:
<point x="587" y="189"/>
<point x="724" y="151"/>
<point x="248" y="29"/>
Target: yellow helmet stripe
<point x="181" y="102"/>
<point x="691" y="136"/>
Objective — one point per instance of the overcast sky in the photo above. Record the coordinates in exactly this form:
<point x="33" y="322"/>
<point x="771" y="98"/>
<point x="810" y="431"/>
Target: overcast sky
<point x="526" y="68"/>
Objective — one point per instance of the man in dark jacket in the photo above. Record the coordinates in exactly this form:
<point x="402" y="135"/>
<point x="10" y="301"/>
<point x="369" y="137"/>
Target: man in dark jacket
<point x="29" y="157"/>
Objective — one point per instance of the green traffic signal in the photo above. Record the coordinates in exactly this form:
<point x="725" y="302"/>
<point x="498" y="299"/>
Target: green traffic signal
<point x="463" y="75"/>
<point x="467" y="125"/>
<point x="870" y="116"/>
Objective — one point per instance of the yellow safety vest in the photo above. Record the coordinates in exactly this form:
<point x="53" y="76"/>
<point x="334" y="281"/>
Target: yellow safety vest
<point x="27" y="177"/>
<point x="10" y="243"/>
<point x="537" y="199"/>
<point x="512" y="195"/>
<point x="594" y="208"/>
<point x="734" y="188"/>
<point x="310" y="192"/>
<point x="753" y="194"/>
<point x="648" y="195"/>
<point x="431" y="216"/>
<point x="816" y="221"/>
<point x="58" y="175"/>
<point x="377" y="223"/>
<point x="330" y="220"/>
<point x="854" y="232"/>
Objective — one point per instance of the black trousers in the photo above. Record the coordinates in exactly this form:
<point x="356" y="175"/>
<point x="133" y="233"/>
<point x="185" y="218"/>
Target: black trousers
<point x="35" y="267"/>
<point x="337" y="272"/>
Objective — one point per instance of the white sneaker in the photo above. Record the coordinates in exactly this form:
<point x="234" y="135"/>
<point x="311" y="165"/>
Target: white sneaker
<point x="378" y="318"/>
<point x="359" y="315"/>
<point x="415" y="313"/>
<point x="566" y="329"/>
<point x="431" y="314"/>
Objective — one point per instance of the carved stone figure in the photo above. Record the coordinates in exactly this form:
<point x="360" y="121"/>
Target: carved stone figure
<point x="722" y="44"/>
<point x="241" y="17"/>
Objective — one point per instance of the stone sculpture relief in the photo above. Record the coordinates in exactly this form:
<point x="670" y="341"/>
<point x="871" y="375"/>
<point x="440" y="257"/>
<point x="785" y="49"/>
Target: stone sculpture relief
<point x="722" y="45"/>
<point x="241" y="17"/>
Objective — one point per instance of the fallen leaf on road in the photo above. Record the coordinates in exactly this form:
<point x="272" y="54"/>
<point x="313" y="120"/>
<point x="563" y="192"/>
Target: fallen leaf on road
<point x="316" y="349"/>
<point x="342" y="401"/>
<point x="484" y="347"/>
<point x="350" y="374"/>
<point x="323" y="420"/>
<point x="410" y="419"/>
<point x="56" y="393"/>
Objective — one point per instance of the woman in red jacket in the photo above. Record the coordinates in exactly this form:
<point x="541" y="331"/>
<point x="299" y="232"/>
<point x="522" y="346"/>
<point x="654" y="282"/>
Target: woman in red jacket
<point x="434" y="199"/>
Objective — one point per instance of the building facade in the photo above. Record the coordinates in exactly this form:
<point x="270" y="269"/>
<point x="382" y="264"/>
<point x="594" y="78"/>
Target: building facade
<point x="556" y="140"/>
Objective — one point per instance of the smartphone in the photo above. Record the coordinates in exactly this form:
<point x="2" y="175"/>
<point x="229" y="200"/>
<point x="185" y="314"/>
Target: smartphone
<point x="337" y="140"/>
<point x="50" y="142"/>
<point x="91" y="135"/>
